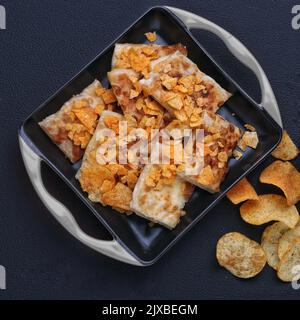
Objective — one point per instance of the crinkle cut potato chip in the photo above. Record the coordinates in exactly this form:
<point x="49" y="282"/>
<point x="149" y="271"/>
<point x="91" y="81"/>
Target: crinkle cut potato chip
<point x="286" y="150"/>
<point x="242" y="191"/>
<point x="270" y="241"/>
<point x="289" y="266"/>
<point x="241" y="256"/>
<point x="269" y="207"/>
<point x="284" y="176"/>
<point x="287" y="240"/>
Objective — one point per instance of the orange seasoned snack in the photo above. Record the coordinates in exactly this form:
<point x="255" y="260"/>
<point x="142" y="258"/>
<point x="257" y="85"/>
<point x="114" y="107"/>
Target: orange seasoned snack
<point x="118" y="197"/>
<point x="286" y="177"/>
<point x="72" y="127"/>
<point x="108" y="96"/>
<point x="179" y="86"/>
<point x="139" y="56"/>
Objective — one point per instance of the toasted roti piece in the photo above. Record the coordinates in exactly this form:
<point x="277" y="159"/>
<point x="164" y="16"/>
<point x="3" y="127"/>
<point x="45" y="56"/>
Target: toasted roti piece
<point x="287" y="240"/>
<point x="220" y="140"/>
<point x="241" y="256"/>
<point x="269" y="207"/>
<point x="270" y="241"/>
<point x="72" y="127"/>
<point x="242" y="191"/>
<point x="284" y="176"/>
<point x="160" y="195"/>
<point x="286" y="150"/>
<point x="108" y="183"/>
<point x="288" y="268"/>
<point x="145" y="111"/>
<point x="139" y="56"/>
<point x="179" y="86"/>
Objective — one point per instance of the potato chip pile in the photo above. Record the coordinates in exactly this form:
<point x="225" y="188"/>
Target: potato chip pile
<point x="280" y="242"/>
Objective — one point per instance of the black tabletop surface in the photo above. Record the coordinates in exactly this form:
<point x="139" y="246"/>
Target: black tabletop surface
<point x="44" y="45"/>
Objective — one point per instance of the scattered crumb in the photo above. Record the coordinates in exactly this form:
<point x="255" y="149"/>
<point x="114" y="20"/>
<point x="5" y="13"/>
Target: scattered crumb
<point x="249" y="139"/>
<point x="151" y="36"/>
<point x="237" y="154"/>
<point x="249" y="127"/>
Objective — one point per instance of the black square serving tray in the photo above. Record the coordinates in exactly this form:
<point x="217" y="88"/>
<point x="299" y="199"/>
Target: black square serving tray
<point x="147" y="243"/>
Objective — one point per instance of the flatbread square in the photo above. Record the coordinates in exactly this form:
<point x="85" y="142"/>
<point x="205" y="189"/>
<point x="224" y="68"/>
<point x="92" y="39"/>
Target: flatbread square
<point x="178" y="85"/>
<point x="72" y="126"/>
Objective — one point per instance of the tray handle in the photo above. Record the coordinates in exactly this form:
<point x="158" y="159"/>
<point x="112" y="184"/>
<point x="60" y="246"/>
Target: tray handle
<point x="193" y="21"/>
<point x="62" y="214"/>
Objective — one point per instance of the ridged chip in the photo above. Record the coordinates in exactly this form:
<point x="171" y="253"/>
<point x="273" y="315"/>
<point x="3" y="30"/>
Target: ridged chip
<point x="287" y="240"/>
<point x="286" y="150"/>
<point x="289" y="266"/>
<point x="270" y="240"/>
<point x="240" y="255"/>
<point x="286" y="177"/>
<point x="269" y="207"/>
<point x="242" y="191"/>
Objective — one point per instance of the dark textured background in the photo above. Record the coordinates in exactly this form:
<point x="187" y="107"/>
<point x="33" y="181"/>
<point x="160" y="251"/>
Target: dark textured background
<point x="45" y="44"/>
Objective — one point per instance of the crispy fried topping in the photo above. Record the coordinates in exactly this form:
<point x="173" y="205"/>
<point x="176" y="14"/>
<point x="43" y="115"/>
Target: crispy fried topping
<point x="249" y="139"/>
<point x="151" y="36"/>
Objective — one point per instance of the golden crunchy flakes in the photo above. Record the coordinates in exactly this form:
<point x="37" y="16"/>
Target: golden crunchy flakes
<point x="88" y="117"/>
<point x="79" y="134"/>
<point x="92" y="178"/>
<point x="249" y="139"/>
<point x="109" y="97"/>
